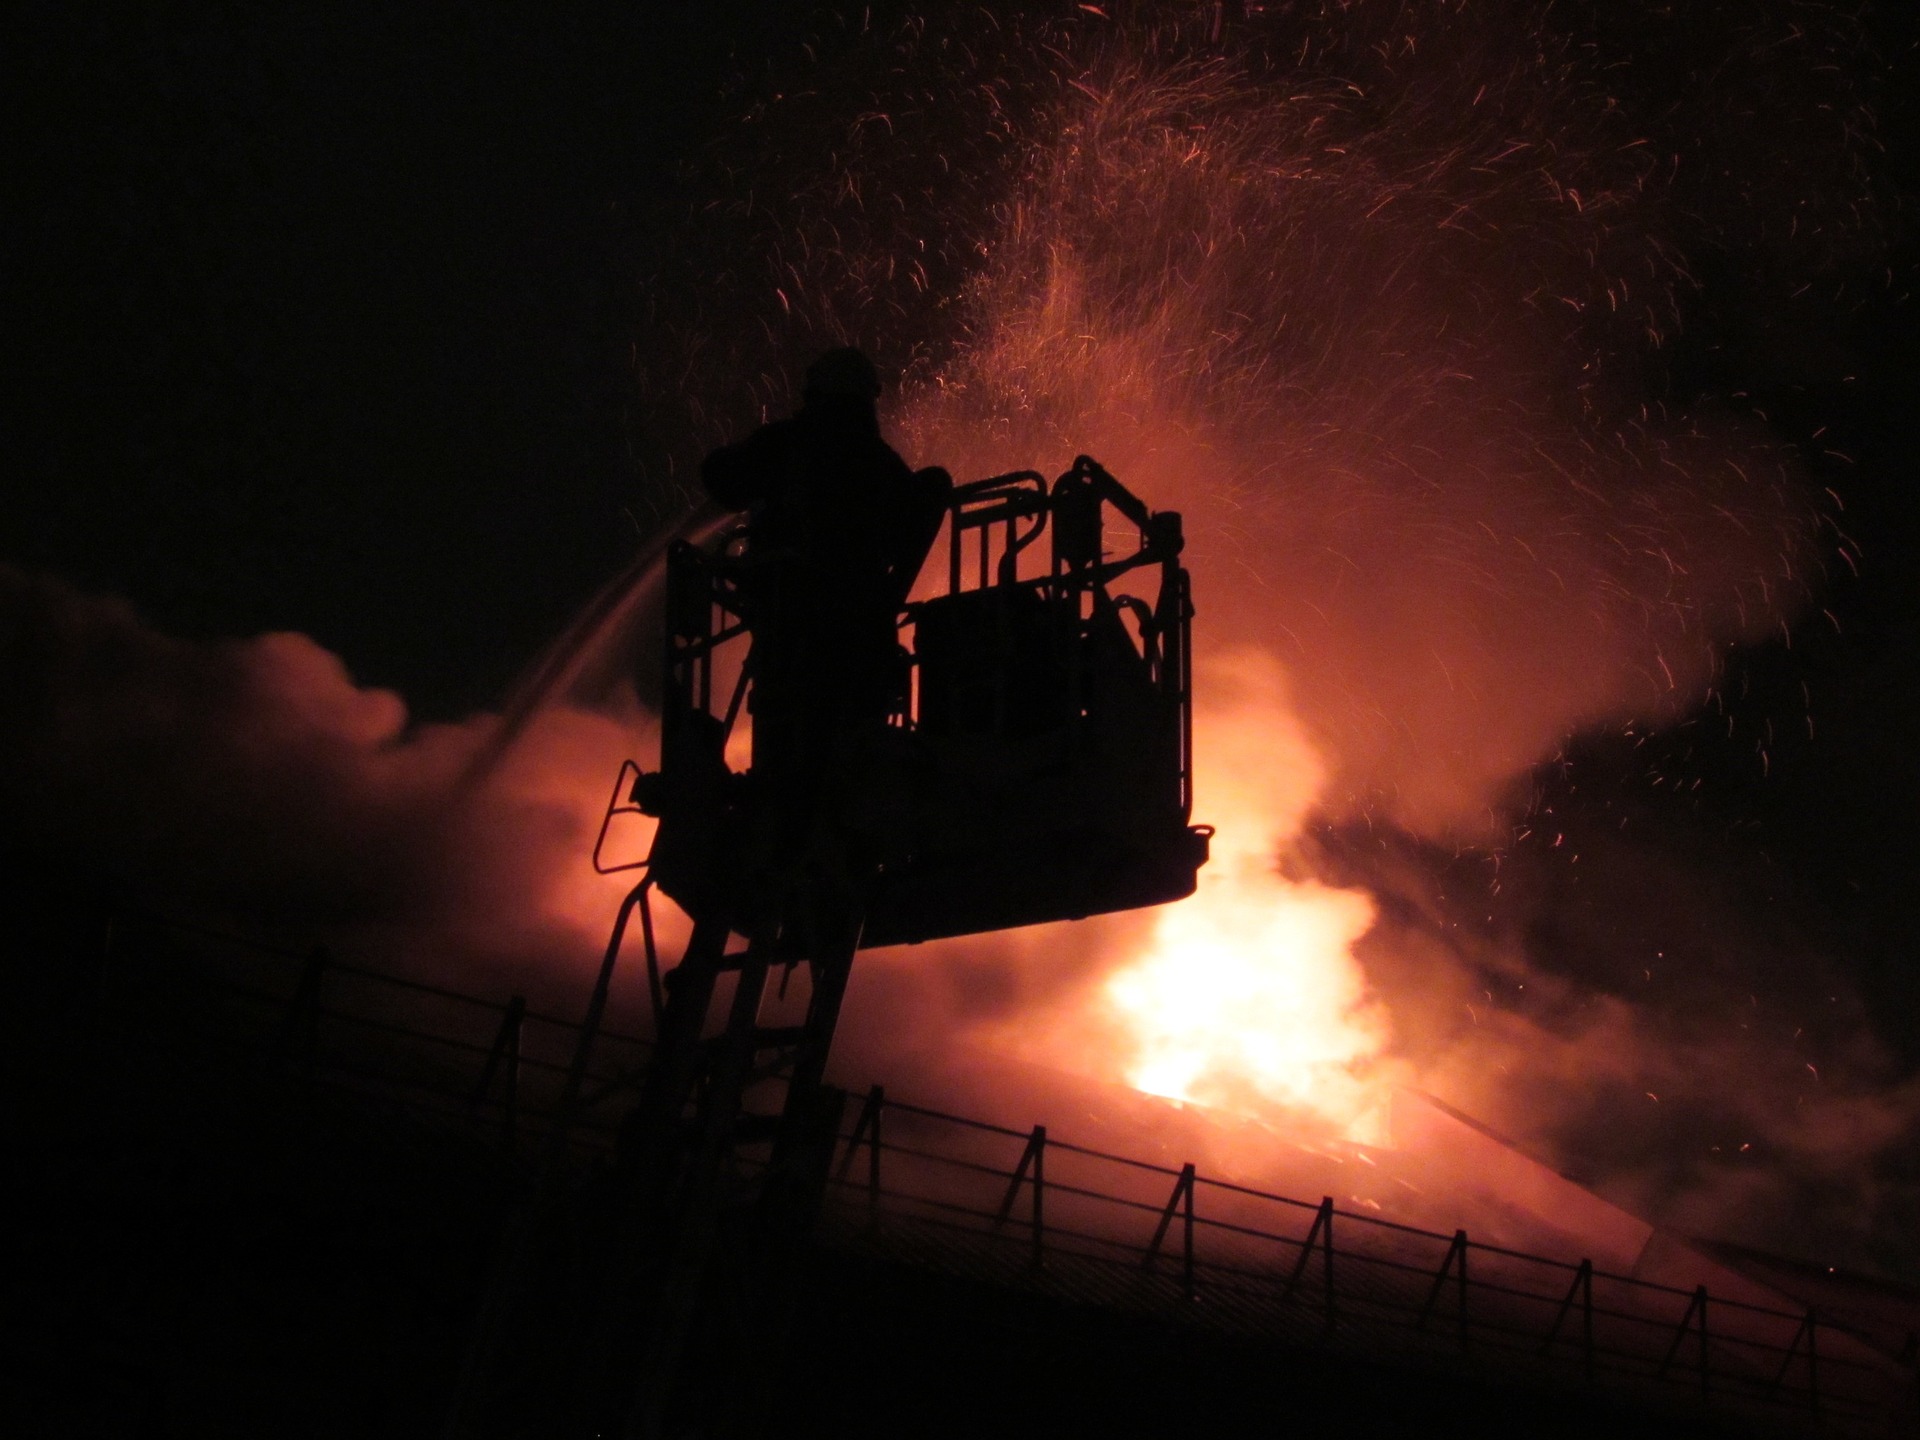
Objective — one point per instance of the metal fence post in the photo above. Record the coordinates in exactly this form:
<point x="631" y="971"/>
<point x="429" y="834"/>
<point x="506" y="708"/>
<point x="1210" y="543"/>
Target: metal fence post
<point x="504" y="1059"/>
<point x="1456" y="1262"/>
<point x="1181" y="1202"/>
<point x="1583" y="1287"/>
<point x="1187" y="1222"/>
<point x="1033" y="1159"/>
<point x="1806" y="1331"/>
<point x="1460" y="1239"/>
<point x="1322" y="1231"/>
<point x="867" y="1128"/>
<point x="1039" y="1143"/>
<point x="1586" y="1317"/>
<point x="1696" y="1307"/>
<point x="1813" y="1364"/>
<point x="1326" y="1210"/>
<point x="1701" y="1295"/>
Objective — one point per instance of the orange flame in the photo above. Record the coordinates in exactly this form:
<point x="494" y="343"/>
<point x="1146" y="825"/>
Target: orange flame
<point x="1247" y="996"/>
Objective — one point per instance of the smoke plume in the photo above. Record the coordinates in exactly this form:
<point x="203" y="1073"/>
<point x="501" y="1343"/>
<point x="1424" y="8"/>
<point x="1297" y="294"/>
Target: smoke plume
<point x="254" y="781"/>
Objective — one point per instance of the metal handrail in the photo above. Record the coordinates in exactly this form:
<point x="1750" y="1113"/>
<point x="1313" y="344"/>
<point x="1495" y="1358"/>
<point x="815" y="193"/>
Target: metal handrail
<point x="1489" y="1328"/>
<point x="1747" y="1372"/>
<point x="1491" y="1334"/>
<point x="1253" y="1193"/>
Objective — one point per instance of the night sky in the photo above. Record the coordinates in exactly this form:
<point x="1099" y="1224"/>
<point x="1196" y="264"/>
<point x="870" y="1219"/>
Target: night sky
<point x="320" y="316"/>
<point x="323" y="317"/>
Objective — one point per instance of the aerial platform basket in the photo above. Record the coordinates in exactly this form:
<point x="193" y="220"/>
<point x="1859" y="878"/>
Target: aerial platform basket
<point x="1037" y="761"/>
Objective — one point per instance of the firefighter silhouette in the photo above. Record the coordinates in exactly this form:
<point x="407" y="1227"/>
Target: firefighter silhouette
<point x="839" y="526"/>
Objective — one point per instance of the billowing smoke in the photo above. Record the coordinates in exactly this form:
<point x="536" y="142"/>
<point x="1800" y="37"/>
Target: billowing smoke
<point x="254" y="781"/>
<point x="1374" y="347"/>
<point x="1651" y="1007"/>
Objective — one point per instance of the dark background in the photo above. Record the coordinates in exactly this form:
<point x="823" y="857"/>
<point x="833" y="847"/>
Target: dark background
<point x="320" y="315"/>
<point x="324" y="317"/>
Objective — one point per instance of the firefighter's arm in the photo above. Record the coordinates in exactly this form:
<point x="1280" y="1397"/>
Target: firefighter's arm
<point x="923" y="502"/>
<point x="932" y="490"/>
<point x="741" y="475"/>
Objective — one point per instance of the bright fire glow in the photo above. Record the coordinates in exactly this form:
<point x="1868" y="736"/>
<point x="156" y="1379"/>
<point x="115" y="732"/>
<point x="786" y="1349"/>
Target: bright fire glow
<point x="1247" y="996"/>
